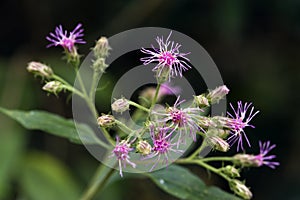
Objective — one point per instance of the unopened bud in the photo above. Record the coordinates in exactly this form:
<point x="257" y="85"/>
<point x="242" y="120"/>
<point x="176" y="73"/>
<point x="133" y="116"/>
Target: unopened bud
<point x="246" y="160"/>
<point x="240" y="189"/>
<point x="54" y="87"/>
<point x="143" y="147"/>
<point x="102" y="48"/>
<point x="99" y="65"/>
<point x="120" y="105"/>
<point x="39" y="69"/>
<point x="217" y="94"/>
<point x="201" y="101"/>
<point x="218" y="143"/>
<point x="230" y="171"/>
<point x="106" y="121"/>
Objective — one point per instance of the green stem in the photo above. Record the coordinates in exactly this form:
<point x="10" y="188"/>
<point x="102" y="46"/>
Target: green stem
<point x="94" y="81"/>
<point x="107" y="136"/>
<point x="74" y="90"/>
<point x="121" y="124"/>
<point x="203" y="145"/>
<point x="155" y="96"/>
<point x="99" y="180"/>
<point x="139" y="106"/>
<point x="204" y="165"/>
<point x="58" y="78"/>
<point x="230" y="159"/>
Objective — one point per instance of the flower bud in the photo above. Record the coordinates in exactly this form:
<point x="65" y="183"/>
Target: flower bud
<point x="101" y="49"/>
<point x="201" y="101"/>
<point x="120" y="105"/>
<point x="54" y="87"/>
<point x="218" y="143"/>
<point x="39" y="69"/>
<point x="106" y="121"/>
<point x="230" y="171"/>
<point x="217" y="94"/>
<point x="240" y="189"/>
<point x="143" y="147"/>
<point x="99" y="65"/>
<point x="163" y="75"/>
<point x="246" y="160"/>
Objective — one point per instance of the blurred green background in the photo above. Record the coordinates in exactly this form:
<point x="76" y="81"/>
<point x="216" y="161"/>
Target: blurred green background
<point x="255" y="45"/>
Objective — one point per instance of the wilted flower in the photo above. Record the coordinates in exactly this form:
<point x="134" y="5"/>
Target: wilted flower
<point x="106" y="121"/>
<point x="53" y="87"/>
<point x="67" y="41"/>
<point x="121" y="152"/>
<point x="162" y="145"/>
<point x="238" y="122"/>
<point x="182" y="119"/>
<point x="40" y="69"/>
<point x="120" y="105"/>
<point x="247" y="160"/>
<point x="217" y="94"/>
<point x="169" y="59"/>
<point x="240" y="189"/>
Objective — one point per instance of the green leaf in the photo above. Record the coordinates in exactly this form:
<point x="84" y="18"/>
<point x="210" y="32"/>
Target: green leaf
<point x="54" y="124"/>
<point x="181" y="183"/>
<point x="46" y="178"/>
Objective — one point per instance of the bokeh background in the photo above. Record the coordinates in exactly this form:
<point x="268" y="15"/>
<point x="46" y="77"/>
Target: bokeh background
<point x="255" y="45"/>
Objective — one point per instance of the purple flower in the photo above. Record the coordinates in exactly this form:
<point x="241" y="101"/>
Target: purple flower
<point x="238" y="122"/>
<point x="162" y="145"/>
<point x="167" y="56"/>
<point x="67" y="41"/>
<point x="262" y="159"/>
<point x="121" y="152"/>
<point x="182" y="120"/>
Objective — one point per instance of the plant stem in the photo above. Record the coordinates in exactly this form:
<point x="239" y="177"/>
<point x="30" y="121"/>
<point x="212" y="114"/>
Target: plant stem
<point x="205" y="165"/>
<point x="230" y="159"/>
<point x="99" y="180"/>
<point x="107" y="136"/>
<point x="155" y="96"/>
<point x="139" y="106"/>
<point x="203" y="145"/>
<point x="121" y="124"/>
<point x="93" y="86"/>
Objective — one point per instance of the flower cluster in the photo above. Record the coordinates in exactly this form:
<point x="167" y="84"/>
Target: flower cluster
<point x="166" y="129"/>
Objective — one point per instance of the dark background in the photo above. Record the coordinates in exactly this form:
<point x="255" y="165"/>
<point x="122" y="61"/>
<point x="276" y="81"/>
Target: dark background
<point x="255" y="45"/>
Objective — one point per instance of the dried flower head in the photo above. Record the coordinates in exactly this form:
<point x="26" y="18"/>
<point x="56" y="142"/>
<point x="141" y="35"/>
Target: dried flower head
<point x="67" y="41"/>
<point x="169" y="59"/>
<point x="238" y="122"/>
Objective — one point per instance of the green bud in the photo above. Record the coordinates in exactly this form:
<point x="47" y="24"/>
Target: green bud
<point x="217" y="94"/>
<point x="201" y="101"/>
<point x="102" y="48"/>
<point x="40" y="69"/>
<point x="230" y="171"/>
<point x="143" y="147"/>
<point x="54" y="87"/>
<point x="240" y="189"/>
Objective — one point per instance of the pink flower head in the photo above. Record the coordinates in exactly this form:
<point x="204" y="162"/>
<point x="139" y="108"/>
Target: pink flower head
<point x="262" y="159"/>
<point x="121" y="152"/>
<point x="167" y="55"/>
<point x="182" y="120"/>
<point x="67" y="41"/>
<point x="162" y="145"/>
<point x="238" y="122"/>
